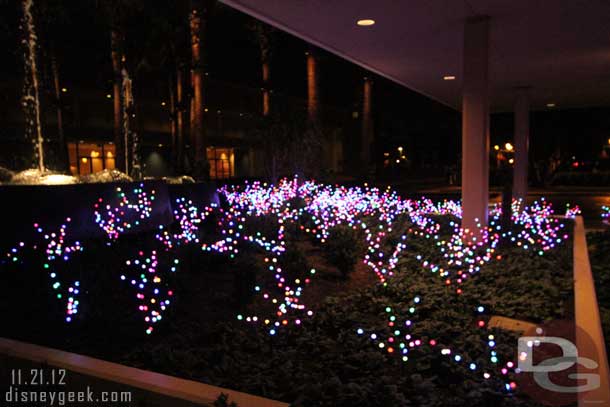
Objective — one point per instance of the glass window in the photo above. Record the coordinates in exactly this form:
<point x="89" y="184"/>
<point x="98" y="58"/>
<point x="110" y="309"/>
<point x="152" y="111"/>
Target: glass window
<point x="88" y="158"/>
<point x="221" y="162"/>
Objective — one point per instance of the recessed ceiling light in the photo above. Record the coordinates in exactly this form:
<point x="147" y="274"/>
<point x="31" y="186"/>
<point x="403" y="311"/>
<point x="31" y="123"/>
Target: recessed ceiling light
<point x="448" y="77"/>
<point x="365" y="22"/>
<point x="550" y="105"/>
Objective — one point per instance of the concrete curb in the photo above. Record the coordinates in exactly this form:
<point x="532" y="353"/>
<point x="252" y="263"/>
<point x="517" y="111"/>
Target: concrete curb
<point x="588" y="320"/>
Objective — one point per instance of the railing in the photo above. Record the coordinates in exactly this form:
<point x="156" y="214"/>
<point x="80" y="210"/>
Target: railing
<point x="146" y="387"/>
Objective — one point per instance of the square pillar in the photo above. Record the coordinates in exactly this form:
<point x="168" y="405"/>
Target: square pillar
<point x="475" y="124"/>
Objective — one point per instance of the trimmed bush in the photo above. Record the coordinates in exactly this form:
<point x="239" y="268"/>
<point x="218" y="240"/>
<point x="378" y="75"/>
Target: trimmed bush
<point x="343" y="249"/>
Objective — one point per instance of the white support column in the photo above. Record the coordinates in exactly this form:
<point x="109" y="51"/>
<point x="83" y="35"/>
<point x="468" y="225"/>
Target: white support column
<point x="475" y="124"/>
<point x="522" y="134"/>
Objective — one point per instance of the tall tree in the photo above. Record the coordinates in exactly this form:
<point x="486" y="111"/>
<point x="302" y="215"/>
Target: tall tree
<point x="199" y="14"/>
<point x="162" y="50"/>
<point x="264" y="38"/>
<point x="61" y="137"/>
<point x="179" y="109"/>
<point x="309" y="150"/>
<point x="312" y="86"/>
<point x="117" y="57"/>
<point x="117" y="14"/>
<point x="176" y="106"/>
<point x="367" y="123"/>
<point x="53" y="14"/>
<point x="175" y="55"/>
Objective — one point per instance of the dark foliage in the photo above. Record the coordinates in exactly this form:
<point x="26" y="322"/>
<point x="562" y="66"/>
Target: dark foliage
<point x="323" y="362"/>
<point x="344" y="249"/>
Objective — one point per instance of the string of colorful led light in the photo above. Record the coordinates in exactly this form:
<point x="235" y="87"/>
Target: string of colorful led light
<point x="56" y="247"/>
<point x="331" y="215"/>
<point x="546" y="234"/>
<point x="114" y="217"/>
<point x="536" y="227"/>
<point x="327" y="207"/>
<point x="151" y="291"/>
<point x="188" y="217"/>
<point x="401" y="344"/>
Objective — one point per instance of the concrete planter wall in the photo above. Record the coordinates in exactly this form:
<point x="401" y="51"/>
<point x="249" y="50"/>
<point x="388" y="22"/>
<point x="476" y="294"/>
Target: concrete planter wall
<point x="146" y="388"/>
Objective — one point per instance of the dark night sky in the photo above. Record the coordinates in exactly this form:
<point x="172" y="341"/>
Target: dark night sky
<point x="80" y="32"/>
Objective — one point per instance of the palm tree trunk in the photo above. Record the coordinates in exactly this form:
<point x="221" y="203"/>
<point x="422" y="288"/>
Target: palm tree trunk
<point x="172" y="119"/>
<point x="367" y="124"/>
<point x="312" y="88"/>
<point x="196" y="22"/>
<point x="179" y="122"/>
<point x="266" y="91"/>
<point x="115" y="53"/>
<point x="63" y="146"/>
<point x="191" y="117"/>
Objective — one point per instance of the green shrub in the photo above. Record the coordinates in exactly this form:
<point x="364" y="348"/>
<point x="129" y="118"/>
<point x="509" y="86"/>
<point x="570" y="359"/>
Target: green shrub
<point x="245" y="270"/>
<point x="294" y="261"/>
<point x="296" y="203"/>
<point x="343" y="249"/>
<point x="266" y="226"/>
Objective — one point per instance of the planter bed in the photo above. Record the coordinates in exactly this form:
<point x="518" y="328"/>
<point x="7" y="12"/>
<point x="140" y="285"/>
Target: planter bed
<point x="347" y="353"/>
